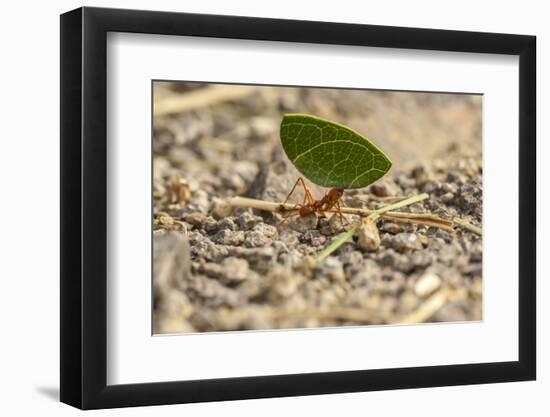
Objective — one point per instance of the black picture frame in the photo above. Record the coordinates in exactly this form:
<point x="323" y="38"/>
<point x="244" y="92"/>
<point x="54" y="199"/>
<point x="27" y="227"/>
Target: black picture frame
<point x="84" y="207"/>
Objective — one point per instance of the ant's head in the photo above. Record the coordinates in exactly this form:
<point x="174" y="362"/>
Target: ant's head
<point x="336" y="193"/>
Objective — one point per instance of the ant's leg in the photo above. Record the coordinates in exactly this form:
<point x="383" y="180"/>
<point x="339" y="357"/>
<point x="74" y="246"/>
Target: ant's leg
<point x="299" y="181"/>
<point x="291" y="192"/>
<point x="290" y="213"/>
<point x="286" y="216"/>
<point x="307" y="202"/>
<point x="339" y="211"/>
<point x="308" y="197"/>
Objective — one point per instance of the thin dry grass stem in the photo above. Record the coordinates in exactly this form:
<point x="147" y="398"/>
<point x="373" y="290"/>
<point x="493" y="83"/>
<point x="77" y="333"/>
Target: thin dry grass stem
<point x="387" y="199"/>
<point x="360" y="315"/>
<point x="472" y="228"/>
<point x="427" y="309"/>
<point x="411" y="218"/>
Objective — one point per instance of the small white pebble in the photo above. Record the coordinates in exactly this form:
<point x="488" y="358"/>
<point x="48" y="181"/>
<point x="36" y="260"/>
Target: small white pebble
<point x="427" y="284"/>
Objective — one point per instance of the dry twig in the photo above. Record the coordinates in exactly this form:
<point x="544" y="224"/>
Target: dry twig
<point x="415" y="218"/>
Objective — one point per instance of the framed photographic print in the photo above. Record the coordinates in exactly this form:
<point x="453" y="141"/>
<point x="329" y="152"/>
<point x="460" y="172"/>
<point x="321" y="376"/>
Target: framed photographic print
<point x="258" y="208"/>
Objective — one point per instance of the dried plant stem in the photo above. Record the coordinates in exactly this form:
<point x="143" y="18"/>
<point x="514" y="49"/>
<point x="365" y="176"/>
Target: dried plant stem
<point x="406" y="202"/>
<point x="336" y="243"/>
<point x="411" y="218"/>
<point x="359" y="315"/>
<point x="431" y="306"/>
<point x="468" y="226"/>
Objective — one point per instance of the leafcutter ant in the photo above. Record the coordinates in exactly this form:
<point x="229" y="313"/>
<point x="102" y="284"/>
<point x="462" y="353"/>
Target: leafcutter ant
<point x="331" y="202"/>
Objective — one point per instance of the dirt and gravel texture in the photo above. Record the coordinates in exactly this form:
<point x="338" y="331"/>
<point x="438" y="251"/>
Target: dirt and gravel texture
<point x="218" y="268"/>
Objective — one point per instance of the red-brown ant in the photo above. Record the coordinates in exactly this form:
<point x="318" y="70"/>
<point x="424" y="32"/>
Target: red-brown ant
<point x="331" y="202"/>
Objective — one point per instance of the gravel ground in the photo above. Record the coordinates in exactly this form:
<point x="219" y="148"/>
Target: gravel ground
<point x="218" y="268"/>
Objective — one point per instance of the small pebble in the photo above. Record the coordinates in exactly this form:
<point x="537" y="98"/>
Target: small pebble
<point x="422" y="174"/>
<point x="220" y="208"/>
<point x="209" y="251"/>
<point x="302" y="224"/>
<point x="427" y="284"/>
<point x="403" y="242"/>
<point x="404" y="181"/>
<point x="235" y="269"/>
<point x="368" y="237"/>
<point x="330" y="227"/>
<point x="223" y="224"/>
<point x="200" y="201"/>
<point x="314" y="238"/>
<point x="259" y="259"/>
<point x="366" y="275"/>
<point x="392" y="228"/>
<point x="352" y="258"/>
<point x="261" y="235"/>
<point x="229" y="237"/>
<point x="422" y="259"/>
<point x="247" y="220"/>
<point x="397" y="261"/>
<point x="449" y="188"/>
<point x="196" y="219"/>
<point x="431" y="187"/>
<point x="423" y="239"/>
<point x="385" y="188"/>
<point x="247" y="170"/>
<point x="456" y="177"/>
<point x="262" y="127"/>
<point x="332" y="268"/>
<point x="235" y="182"/>
<point x="166" y="220"/>
<point x="447" y="197"/>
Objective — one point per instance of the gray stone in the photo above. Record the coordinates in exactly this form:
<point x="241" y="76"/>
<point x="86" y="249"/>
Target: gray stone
<point x="171" y="261"/>
<point x="235" y="269"/>
<point x="229" y="237"/>
<point x="385" y="188"/>
<point x="332" y="268"/>
<point x="422" y="259"/>
<point x="199" y="200"/>
<point x="197" y="219"/>
<point x="261" y="235"/>
<point x="247" y="170"/>
<point x="226" y="223"/>
<point x="314" y="238"/>
<point x="213" y="293"/>
<point x="247" y="220"/>
<point x="396" y="261"/>
<point x="209" y="251"/>
<point x="392" y="228"/>
<point x="261" y="259"/>
<point x="220" y="208"/>
<point x="402" y="242"/>
<point x="302" y="224"/>
<point x="447" y="197"/>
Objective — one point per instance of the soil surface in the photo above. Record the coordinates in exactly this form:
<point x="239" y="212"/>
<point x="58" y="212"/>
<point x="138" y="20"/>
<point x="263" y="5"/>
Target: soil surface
<point x="219" y="268"/>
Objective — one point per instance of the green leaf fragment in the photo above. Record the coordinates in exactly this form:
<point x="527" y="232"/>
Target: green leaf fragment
<point x="331" y="155"/>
